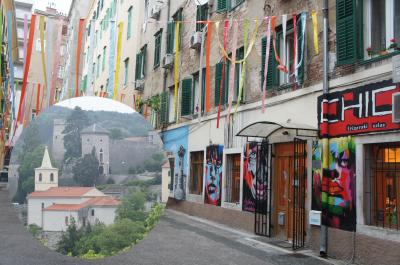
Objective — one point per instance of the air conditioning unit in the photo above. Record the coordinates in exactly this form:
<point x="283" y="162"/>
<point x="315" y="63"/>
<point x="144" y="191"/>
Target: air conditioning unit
<point x="396" y="107"/>
<point x="139" y="85"/>
<point x="195" y="40"/>
<point x="155" y="12"/>
<point x="168" y="61"/>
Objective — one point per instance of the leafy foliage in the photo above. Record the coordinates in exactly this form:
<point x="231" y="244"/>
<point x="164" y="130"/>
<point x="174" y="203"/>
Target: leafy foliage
<point x="86" y="170"/>
<point x="132" y="207"/>
<point x="34" y="230"/>
<point x="116" y="133"/>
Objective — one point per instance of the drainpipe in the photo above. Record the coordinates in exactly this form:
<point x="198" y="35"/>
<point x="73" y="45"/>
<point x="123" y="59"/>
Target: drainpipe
<point x="325" y="141"/>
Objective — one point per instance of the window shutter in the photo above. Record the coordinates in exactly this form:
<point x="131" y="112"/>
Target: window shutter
<point x="164" y="108"/>
<point x="300" y="71"/>
<point x="218" y="77"/>
<point x="272" y="72"/>
<point x="346" y="31"/>
<point x="170" y="37"/>
<point x="186" y="105"/>
<point x="138" y="64"/>
<point x="222" y="5"/>
<point x="144" y="52"/>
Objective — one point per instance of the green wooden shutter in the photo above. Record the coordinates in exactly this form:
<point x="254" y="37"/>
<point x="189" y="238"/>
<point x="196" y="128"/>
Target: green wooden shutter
<point x="138" y="69"/>
<point x="346" y="34"/>
<point x="164" y="108"/>
<point x="222" y="5"/>
<point x="186" y="105"/>
<point x="170" y="37"/>
<point x="272" y="72"/>
<point x="300" y="71"/>
<point x="203" y="90"/>
<point x="144" y="52"/>
<point x="157" y="49"/>
<point x="218" y="77"/>
<point x="201" y="16"/>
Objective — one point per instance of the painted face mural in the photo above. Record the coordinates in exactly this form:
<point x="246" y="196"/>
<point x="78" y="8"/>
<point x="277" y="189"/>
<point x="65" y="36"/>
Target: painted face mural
<point x="213" y="174"/>
<point x="316" y="203"/>
<point x="338" y="185"/>
<point x="254" y="183"/>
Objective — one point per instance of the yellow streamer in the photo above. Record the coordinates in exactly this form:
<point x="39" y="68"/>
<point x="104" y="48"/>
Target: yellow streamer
<point x="315" y="27"/>
<point x="118" y="67"/>
<point x="41" y="27"/>
<point x="252" y="42"/>
<point x="176" y="70"/>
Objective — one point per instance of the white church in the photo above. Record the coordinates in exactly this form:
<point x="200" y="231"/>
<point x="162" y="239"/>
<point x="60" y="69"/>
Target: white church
<point x="52" y="207"/>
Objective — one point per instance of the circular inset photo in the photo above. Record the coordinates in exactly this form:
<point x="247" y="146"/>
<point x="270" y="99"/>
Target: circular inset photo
<point x="85" y="177"/>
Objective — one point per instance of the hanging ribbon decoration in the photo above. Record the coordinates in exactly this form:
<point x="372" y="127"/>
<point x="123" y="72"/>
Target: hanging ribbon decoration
<point x="1" y="41"/>
<point x="222" y="82"/>
<point x="303" y="21"/>
<point x="232" y="73"/>
<point x="38" y="99"/>
<point x="112" y="60"/>
<point x="78" y="55"/>
<point x="266" y="63"/>
<point x="25" y="38"/>
<point x="281" y="66"/>
<point x="176" y="70"/>
<point x="41" y="28"/>
<point x="243" y="77"/>
<point x="11" y="64"/>
<point x="56" y="64"/>
<point x="90" y="72"/>
<point x="29" y="109"/>
<point x="50" y="32"/>
<point x="284" y="53"/>
<point x="251" y="45"/>
<point x="200" y="99"/>
<point x="27" y="65"/>
<point x="208" y="69"/>
<point x="119" y="46"/>
<point x="315" y="30"/>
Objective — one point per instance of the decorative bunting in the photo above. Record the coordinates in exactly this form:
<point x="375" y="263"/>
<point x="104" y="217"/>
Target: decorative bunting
<point x="281" y="66"/>
<point x="56" y="63"/>
<point x="119" y="46"/>
<point x="315" y="30"/>
<point x="232" y="73"/>
<point x="176" y="71"/>
<point x="284" y="52"/>
<point x="208" y="69"/>
<point x="29" y="109"/>
<point x="1" y="41"/>
<point x="303" y="21"/>
<point x="41" y="28"/>
<point x="38" y="99"/>
<point x="243" y="77"/>
<point x="27" y="65"/>
<point x="78" y="55"/>
<point x="50" y="46"/>
<point x="25" y="37"/>
<point x="10" y="61"/>
<point x="221" y="84"/>
<point x="266" y="63"/>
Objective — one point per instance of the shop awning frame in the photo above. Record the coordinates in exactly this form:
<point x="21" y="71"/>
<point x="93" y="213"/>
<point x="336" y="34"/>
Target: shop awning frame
<point x="265" y="129"/>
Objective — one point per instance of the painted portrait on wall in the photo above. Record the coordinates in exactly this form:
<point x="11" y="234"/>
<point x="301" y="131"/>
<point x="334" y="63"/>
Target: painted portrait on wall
<point x="316" y="203"/>
<point x="254" y="182"/>
<point x="213" y="175"/>
<point x="338" y="185"/>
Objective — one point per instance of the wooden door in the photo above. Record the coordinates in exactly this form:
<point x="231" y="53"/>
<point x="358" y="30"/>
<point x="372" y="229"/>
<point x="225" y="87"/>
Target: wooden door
<point x="283" y="176"/>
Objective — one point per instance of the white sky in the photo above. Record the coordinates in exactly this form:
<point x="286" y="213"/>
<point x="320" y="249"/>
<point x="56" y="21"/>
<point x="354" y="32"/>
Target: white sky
<point x="96" y="104"/>
<point x="61" y="5"/>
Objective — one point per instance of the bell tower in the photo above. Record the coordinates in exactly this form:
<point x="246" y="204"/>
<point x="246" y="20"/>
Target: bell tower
<point x="46" y="176"/>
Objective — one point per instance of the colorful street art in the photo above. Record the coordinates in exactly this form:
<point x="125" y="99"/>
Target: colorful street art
<point x="338" y="185"/>
<point x="254" y="182"/>
<point x="213" y="174"/>
<point x="176" y="142"/>
<point x="316" y="203"/>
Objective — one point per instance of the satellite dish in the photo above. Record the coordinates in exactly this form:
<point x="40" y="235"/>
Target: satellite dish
<point x="201" y="2"/>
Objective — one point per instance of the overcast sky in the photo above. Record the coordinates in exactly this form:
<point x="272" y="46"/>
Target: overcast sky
<point x="96" y="104"/>
<point x="61" y="5"/>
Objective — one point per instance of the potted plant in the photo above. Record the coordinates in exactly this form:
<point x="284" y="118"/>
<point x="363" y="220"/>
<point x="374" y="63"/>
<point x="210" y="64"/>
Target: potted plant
<point x="370" y="51"/>
<point x="393" y="45"/>
<point x="383" y="52"/>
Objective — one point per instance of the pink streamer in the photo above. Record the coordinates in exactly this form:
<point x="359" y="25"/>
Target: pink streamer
<point x="268" y="20"/>
<point x="232" y="73"/>
<point x="56" y="63"/>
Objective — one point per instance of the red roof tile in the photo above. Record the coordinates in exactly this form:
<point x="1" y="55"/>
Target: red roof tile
<point x="98" y="201"/>
<point x="61" y="192"/>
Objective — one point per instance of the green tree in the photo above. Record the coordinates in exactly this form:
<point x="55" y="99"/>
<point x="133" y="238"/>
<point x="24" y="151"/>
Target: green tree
<point x="68" y="239"/>
<point x="31" y="140"/>
<point x="76" y="121"/>
<point x="86" y="170"/>
<point x="116" y="133"/>
<point x="132" y="207"/>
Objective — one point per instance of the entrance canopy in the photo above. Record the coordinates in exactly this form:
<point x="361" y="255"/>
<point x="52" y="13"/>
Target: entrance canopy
<point x="265" y="129"/>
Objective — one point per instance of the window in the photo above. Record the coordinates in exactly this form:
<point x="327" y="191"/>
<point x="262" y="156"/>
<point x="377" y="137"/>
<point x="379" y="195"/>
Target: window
<point x="146" y="14"/>
<point x="196" y="172"/>
<point x="164" y="107"/>
<point x="171" y="108"/>
<point x="61" y="72"/>
<point x="219" y="67"/>
<point x="233" y="178"/>
<point x="171" y="31"/>
<point x="186" y="100"/>
<point x="92" y="212"/>
<point x="101" y="155"/>
<point x="126" y="63"/>
<point x="141" y="63"/>
<point x="199" y="90"/>
<point x="104" y="58"/>
<point x="64" y="30"/>
<point x="66" y="220"/>
<point x="238" y="73"/>
<point x="129" y="28"/>
<point x="381" y="24"/>
<point x="201" y="15"/>
<point x="383" y="195"/>
<point x="225" y="5"/>
<point x="40" y="177"/>
<point x="157" y="48"/>
<point x="51" y="177"/>
<point x="42" y="205"/>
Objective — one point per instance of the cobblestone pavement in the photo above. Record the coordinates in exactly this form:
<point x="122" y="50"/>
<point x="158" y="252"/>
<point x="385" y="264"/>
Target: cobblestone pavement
<point x="177" y="239"/>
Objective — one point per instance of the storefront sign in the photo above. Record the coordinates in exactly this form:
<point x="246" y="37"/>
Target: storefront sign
<point x="359" y="110"/>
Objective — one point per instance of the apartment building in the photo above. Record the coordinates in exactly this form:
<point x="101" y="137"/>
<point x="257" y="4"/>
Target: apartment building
<point x="266" y="171"/>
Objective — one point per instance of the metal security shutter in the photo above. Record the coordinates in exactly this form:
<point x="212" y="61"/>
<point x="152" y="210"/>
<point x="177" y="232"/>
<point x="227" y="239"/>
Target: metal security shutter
<point x="186" y="105"/>
<point x="346" y="34"/>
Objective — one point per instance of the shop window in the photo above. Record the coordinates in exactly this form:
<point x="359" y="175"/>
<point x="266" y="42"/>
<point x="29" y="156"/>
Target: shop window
<point x="232" y="178"/>
<point x="196" y="172"/>
<point x="383" y="195"/>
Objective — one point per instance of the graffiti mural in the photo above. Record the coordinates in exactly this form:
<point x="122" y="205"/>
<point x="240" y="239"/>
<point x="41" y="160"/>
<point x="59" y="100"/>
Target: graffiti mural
<point x="254" y="181"/>
<point x="213" y="174"/>
<point x="338" y="185"/>
<point x="316" y="203"/>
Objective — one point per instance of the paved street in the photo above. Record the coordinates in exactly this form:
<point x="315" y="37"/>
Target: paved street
<point x="177" y="239"/>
